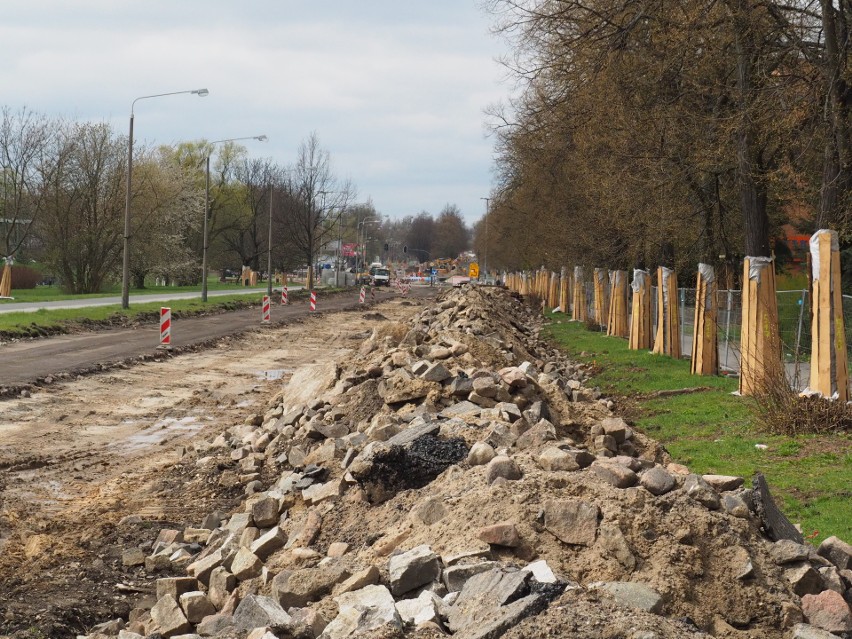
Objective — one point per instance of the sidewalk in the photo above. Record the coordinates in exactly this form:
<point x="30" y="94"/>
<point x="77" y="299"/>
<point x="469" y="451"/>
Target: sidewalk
<point x="29" y="307"/>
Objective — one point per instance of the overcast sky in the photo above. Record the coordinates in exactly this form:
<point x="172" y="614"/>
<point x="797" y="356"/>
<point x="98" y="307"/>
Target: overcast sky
<point x="395" y="89"/>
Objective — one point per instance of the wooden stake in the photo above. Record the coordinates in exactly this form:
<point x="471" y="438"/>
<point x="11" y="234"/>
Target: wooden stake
<point x="705" y="337"/>
<point x="667" y="341"/>
<point x="640" y="319"/>
<point x="760" y="346"/>
<point x="829" y="374"/>
<point x="579" y="312"/>
<point x="601" y="303"/>
<point x="617" y="325"/>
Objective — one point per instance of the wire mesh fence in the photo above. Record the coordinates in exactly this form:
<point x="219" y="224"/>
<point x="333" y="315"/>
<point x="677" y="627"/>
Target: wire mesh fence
<point x="794" y="328"/>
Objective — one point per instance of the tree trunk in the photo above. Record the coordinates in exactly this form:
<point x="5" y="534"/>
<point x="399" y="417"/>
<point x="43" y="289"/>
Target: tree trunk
<point x="837" y="159"/>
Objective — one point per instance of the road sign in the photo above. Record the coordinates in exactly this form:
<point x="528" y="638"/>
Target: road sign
<point x="473" y="271"/>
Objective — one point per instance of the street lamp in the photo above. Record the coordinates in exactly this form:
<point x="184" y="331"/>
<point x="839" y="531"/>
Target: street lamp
<point x="363" y="251"/>
<point x="204" y="241"/>
<point x="485" y="249"/>
<point x="125" y="271"/>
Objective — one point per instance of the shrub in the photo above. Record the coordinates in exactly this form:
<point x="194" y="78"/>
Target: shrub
<point x="24" y="277"/>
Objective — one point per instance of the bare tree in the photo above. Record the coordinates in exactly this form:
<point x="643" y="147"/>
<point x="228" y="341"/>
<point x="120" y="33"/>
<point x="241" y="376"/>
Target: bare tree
<point x="317" y="198"/>
<point x="24" y="139"/>
<point x="83" y="181"/>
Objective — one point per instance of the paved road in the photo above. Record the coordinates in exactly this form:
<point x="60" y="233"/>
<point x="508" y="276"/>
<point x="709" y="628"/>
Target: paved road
<point x="27" y="362"/>
<point x="28" y="307"/>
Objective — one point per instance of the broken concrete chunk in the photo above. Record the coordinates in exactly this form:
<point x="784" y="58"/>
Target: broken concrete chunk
<point x="169" y="618"/>
<point x="264" y="512"/>
<point x="634" y="595"/>
<point x="175" y="586"/>
<point x="501" y="534"/>
<point x="804" y="579"/>
<point x="246" y="565"/>
<point x="196" y="605"/>
<point x="542" y="572"/>
<point x="437" y="372"/>
<point x="222" y="583"/>
<point x="828" y="610"/>
<point x="367" y="577"/>
<point x="615" y="474"/>
<point x="572" y="521"/>
<point x="657" y="481"/>
<point x="723" y="483"/>
<point x="556" y="459"/>
<point x="785" y="551"/>
<point x="735" y="505"/>
<point x="256" y="611"/>
<point x="502" y="466"/>
<point x="420" y="610"/>
<point x="269" y="542"/>
<point x="702" y="492"/>
<point x="455" y="577"/>
<point x="361" y="611"/>
<point x="413" y="568"/>
<point x="295" y="589"/>
<point x="837" y="552"/>
<point x="807" y="631"/>
<point x="616" y="428"/>
<point x="480" y="454"/>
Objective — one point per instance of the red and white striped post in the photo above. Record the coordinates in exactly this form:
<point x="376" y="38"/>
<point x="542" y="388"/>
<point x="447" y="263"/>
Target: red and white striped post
<point x="313" y="301"/>
<point x="165" y="329"/>
<point x="373" y="293"/>
<point x="266" y="310"/>
<point x="284" y="295"/>
<point x="362" y="295"/>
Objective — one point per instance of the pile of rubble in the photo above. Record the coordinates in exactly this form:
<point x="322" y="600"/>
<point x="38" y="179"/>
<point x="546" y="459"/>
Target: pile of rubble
<point x="456" y="477"/>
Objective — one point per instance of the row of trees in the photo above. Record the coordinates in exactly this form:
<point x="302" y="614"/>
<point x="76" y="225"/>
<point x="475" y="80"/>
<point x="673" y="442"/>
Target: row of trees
<point x="669" y="132"/>
<point x="62" y="200"/>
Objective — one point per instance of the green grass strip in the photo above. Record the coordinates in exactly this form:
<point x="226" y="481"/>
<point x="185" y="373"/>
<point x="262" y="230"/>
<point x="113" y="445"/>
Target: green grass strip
<point x="712" y="431"/>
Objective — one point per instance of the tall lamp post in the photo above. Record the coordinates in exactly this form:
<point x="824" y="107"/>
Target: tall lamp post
<point x="204" y="242"/>
<point x="363" y="251"/>
<point x="485" y="249"/>
<point x="269" y="242"/>
<point x="125" y="271"/>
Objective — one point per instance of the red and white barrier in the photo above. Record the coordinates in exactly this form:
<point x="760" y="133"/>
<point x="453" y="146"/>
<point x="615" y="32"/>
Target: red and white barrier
<point x="284" y="295"/>
<point x="362" y="295"/>
<point x="313" y="301"/>
<point x="165" y="328"/>
<point x="265" y="307"/>
<point x="373" y="293"/>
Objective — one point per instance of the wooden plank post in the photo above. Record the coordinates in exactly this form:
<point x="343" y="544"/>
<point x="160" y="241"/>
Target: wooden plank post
<point x="579" y="312"/>
<point x="760" y="346"/>
<point x="617" y="325"/>
<point x="705" y="334"/>
<point x="563" y="290"/>
<point x="554" y="289"/>
<point x="6" y="278"/>
<point x="829" y="373"/>
<point x="667" y="340"/>
<point x="601" y="301"/>
<point x="640" y="320"/>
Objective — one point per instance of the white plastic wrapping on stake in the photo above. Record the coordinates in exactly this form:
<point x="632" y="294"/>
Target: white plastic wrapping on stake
<point x="705" y="340"/>
<point x="579" y="312"/>
<point x="760" y="346"/>
<point x="829" y="375"/>
<point x="640" y="319"/>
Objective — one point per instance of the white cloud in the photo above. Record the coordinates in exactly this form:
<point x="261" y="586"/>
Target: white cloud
<point x="395" y="90"/>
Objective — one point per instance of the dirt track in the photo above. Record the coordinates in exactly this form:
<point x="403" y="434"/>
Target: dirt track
<point x="31" y="361"/>
<point x="78" y="457"/>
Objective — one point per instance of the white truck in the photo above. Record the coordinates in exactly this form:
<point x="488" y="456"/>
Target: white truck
<point x="379" y="274"/>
